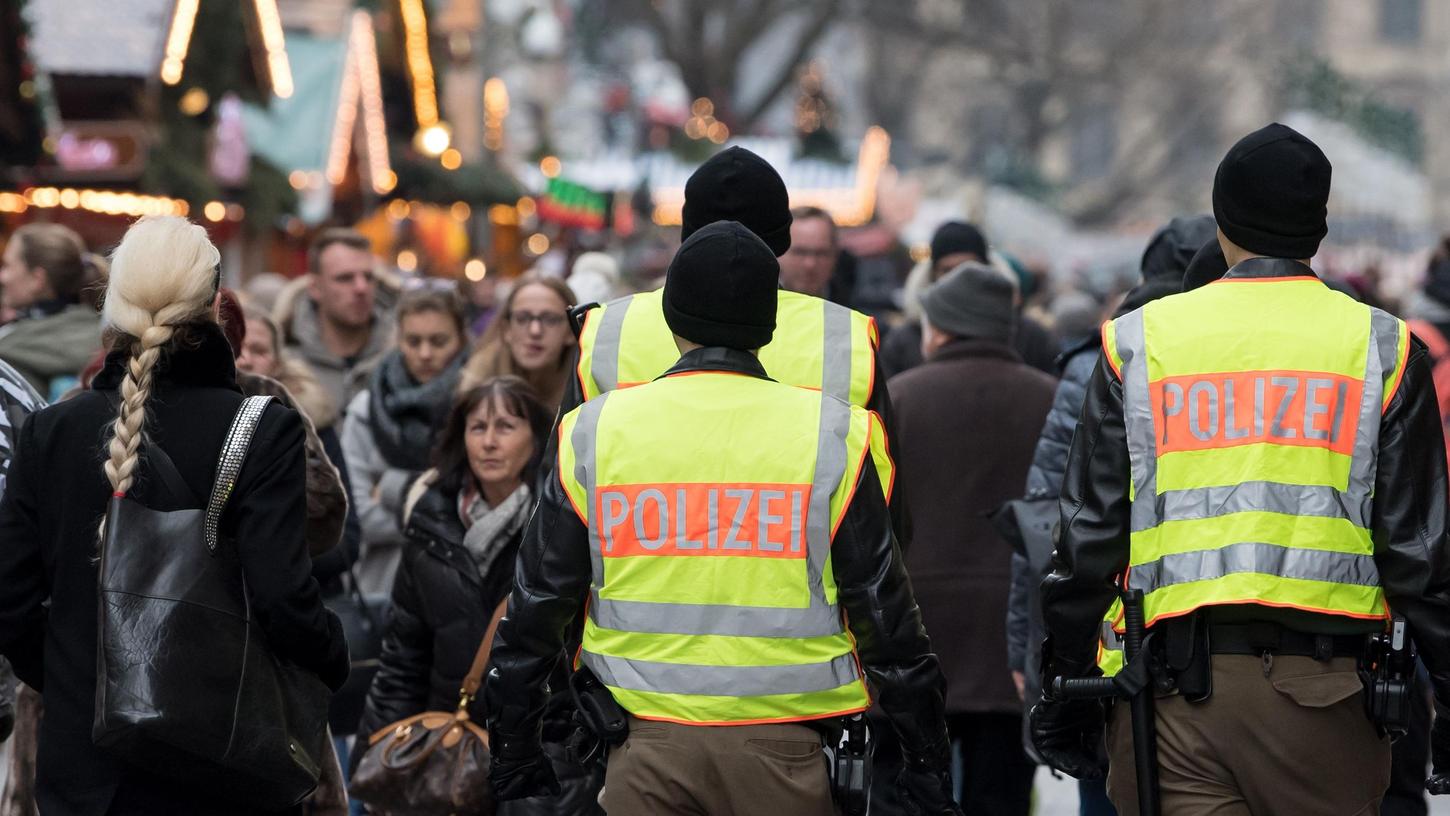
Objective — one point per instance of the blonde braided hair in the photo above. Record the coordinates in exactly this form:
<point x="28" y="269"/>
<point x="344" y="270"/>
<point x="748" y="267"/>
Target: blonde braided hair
<point x="163" y="275"/>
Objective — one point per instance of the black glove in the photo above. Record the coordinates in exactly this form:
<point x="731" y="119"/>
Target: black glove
<point x="928" y="790"/>
<point x="1067" y="734"/>
<point x="1439" y="781"/>
<point x="519" y="770"/>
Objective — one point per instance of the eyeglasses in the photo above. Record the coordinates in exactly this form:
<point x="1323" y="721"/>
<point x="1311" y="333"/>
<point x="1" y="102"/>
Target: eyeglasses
<point x="549" y="320"/>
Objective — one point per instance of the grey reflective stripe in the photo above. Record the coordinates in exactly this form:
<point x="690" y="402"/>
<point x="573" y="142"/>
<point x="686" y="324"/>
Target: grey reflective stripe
<point x="1255" y="557"/>
<point x="604" y="366"/>
<point x="830" y="470"/>
<point x="1137" y="406"/>
<point x="1273" y="497"/>
<point x="817" y="620"/>
<point x="721" y="681"/>
<point x="836" y="359"/>
<point x="1380" y="360"/>
<point x="586" y="473"/>
<point x="1111" y="640"/>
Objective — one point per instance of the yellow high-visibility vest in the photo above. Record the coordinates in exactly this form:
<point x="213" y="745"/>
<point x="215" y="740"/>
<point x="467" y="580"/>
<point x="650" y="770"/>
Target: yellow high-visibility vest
<point x="1252" y="408"/>
<point x="711" y="500"/>
<point x="817" y="344"/>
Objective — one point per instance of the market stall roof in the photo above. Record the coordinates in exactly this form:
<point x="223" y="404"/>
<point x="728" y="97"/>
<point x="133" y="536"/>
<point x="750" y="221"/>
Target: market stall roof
<point x="312" y="135"/>
<point x="847" y="191"/>
<point x="99" y="37"/>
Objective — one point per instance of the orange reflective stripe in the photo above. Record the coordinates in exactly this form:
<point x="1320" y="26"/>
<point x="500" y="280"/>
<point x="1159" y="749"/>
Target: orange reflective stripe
<point x="1281" y="279"/>
<point x="693" y="519"/>
<point x="1229" y="409"/>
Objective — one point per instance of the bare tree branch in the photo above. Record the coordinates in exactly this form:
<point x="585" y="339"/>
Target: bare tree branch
<point x="807" y="39"/>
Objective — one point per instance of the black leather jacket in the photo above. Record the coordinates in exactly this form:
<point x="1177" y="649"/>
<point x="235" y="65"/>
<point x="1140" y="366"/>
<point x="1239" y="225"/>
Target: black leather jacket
<point x="553" y="577"/>
<point x="1408" y="521"/>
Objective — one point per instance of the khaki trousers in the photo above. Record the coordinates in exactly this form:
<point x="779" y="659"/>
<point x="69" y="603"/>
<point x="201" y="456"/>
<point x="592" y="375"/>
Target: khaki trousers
<point x="705" y="770"/>
<point x="1294" y="743"/>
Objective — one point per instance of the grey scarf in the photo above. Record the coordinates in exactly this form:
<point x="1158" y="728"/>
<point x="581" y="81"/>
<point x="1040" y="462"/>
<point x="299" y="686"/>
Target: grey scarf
<point x="491" y="529"/>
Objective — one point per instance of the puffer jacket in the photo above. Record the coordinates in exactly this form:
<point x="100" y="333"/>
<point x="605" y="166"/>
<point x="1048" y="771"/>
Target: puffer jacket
<point x="441" y="608"/>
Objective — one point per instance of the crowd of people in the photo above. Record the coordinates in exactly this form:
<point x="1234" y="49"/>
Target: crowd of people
<point x="415" y="432"/>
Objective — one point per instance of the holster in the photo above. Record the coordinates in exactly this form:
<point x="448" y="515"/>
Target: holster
<point x="1187" y="663"/>
<point x="602" y="723"/>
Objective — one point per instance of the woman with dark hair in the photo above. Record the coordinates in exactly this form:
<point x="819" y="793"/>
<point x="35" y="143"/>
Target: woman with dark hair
<point x="463" y="522"/>
<point x="391" y="427"/>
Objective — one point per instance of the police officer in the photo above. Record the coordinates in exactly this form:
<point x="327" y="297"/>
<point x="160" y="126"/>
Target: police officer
<point x="817" y="344"/>
<point x="1262" y="458"/>
<point x="729" y="539"/>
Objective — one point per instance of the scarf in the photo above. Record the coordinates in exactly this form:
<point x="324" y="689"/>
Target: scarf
<point x="491" y="529"/>
<point x="403" y="414"/>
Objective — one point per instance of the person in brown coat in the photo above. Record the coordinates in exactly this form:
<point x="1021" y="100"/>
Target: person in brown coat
<point x="967" y="421"/>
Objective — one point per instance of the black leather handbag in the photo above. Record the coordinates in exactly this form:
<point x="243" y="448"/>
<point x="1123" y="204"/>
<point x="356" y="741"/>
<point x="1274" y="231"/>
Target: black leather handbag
<point x="186" y="685"/>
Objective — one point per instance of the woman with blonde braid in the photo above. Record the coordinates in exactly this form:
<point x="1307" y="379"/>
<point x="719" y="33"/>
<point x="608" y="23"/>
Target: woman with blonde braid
<point x="169" y="384"/>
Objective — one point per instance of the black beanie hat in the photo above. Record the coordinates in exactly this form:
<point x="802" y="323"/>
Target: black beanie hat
<point x="955" y="237"/>
<point x="737" y="185"/>
<point x="1207" y="266"/>
<point x="1271" y="194"/>
<point x="1173" y="246"/>
<point x="720" y="289"/>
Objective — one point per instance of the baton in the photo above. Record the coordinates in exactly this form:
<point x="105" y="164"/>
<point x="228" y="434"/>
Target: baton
<point x="1145" y="725"/>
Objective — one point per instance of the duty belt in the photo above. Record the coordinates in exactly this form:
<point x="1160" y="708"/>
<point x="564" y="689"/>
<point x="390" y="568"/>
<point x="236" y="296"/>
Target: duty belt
<point x="1271" y="638"/>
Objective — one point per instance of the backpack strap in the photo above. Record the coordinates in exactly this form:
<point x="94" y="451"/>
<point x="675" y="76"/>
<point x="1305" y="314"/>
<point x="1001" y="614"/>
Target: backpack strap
<point x="229" y="465"/>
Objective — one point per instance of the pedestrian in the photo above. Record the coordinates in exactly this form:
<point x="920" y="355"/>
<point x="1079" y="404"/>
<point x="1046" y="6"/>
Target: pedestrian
<point x="967" y="420"/>
<point x="18" y="400"/>
<point x="43" y="274"/>
<point x="809" y="266"/>
<point x="531" y="340"/>
<point x="1163" y="267"/>
<point x="334" y="319"/>
<point x="264" y="370"/>
<point x="594" y="278"/>
<point x="170" y="380"/>
<point x="392" y="425"/>
<point x="1270" y="534"/>
<point x="953" y="244"/>
<point x="463" y="522"/>
<point x="719" y="662"/>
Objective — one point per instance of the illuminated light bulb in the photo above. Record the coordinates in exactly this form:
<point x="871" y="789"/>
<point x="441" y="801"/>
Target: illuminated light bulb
<point x="407" y="260"/>
<point x="451" y="159"/>
<point x="433" y="140"/>
<point x="460" y="210"/>
<point x="298" y="179"/>
<point x="398" y="209"/>
<point x="538" y="243"/>
<point x="526" y="207"/>
<point x="475" y="270"/>
<point x="550" y="166"/>
<point x="214" y="211"/>
<point x="194" y="102"/>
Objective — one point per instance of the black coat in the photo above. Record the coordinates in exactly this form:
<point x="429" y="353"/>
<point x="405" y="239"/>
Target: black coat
<point x="441" y="608"/>
<point x="56" y="497"/>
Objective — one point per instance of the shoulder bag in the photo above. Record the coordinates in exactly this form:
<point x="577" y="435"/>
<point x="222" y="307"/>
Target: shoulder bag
<point x="186" y="685"/>
<point x="435" y="762"/>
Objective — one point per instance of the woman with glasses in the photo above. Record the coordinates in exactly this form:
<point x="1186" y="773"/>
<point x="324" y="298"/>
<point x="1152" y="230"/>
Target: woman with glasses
<point x="390" y="428"/>
<point x="531" y="339"/>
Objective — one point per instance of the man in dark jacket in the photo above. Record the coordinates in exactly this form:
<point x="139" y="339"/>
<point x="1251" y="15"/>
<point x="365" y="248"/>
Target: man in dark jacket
<point x="1274" y="721"/>
<point x="1165" y="260"/>
<point x="953" y="244"/>
<point x="967" y="420"/>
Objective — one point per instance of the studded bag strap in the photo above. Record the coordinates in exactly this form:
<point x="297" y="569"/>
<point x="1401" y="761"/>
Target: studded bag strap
<point x="233" y="454"/>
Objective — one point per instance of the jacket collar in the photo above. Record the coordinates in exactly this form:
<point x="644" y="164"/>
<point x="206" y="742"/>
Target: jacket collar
<point x="435" y="526"/>
<point x="1261" y="268"/>
<point x="965" y="348"/>
<point x="717" y="358"/>
<point x="204" y="360"/>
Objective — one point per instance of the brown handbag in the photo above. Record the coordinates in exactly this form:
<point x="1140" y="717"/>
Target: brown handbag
<point x="435" y="762"/>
